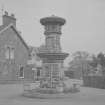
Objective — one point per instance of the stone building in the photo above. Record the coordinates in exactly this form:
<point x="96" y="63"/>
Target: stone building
<point x="14" y="52"/>
<point x="33" y="67"/>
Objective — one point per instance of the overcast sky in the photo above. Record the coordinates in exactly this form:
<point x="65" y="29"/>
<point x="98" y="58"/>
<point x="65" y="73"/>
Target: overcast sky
<point x="83" y="31"/>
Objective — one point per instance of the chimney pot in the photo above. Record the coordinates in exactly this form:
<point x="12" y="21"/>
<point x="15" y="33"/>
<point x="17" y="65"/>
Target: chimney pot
<point x="12" y="15"/>
<point x="9" y="19"/>
<point x="6" y="13"/>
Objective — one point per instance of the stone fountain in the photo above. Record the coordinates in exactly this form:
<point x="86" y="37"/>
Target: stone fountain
<point x="53" y="57"/>
<point x="52" y="74"/>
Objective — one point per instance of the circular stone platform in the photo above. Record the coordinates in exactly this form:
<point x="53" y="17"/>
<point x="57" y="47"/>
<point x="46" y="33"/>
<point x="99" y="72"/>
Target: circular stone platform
<point x="43" y="96"/>
<point x="45" y="93"/>
<point x="31" y="94"/>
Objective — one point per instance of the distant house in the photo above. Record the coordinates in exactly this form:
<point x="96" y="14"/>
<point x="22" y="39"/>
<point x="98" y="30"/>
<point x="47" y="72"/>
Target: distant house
<point x="14" y="52"/>
<point x="34" y="65"/>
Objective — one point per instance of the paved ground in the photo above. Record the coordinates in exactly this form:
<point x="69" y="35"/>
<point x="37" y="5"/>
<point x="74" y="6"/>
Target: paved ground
<point x="12" y="95"/>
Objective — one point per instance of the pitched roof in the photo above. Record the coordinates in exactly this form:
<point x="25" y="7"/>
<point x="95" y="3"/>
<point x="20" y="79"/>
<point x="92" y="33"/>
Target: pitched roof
<point x="3" y="28"/>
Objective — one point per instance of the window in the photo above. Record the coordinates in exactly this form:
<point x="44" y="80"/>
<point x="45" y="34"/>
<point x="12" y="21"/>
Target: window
<point x="47" y="70"/>
<point x="12" y="53"/>
<point x="21" y="71"/>
<point x="9" y="53"/>
<point x="36" y="73"/>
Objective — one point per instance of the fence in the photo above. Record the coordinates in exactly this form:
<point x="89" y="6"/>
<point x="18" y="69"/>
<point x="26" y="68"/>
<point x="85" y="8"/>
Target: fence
<point x="94" y="81"/>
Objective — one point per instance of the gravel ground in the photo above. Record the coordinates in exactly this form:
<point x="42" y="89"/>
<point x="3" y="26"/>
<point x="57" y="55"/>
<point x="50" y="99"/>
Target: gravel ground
<point x="12" y="95"/>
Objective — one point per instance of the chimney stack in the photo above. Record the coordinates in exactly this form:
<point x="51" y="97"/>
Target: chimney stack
<point x="9" y="19"/>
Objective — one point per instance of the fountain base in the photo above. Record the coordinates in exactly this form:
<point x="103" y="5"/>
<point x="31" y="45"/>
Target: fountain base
<point x="49" y="93"/>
